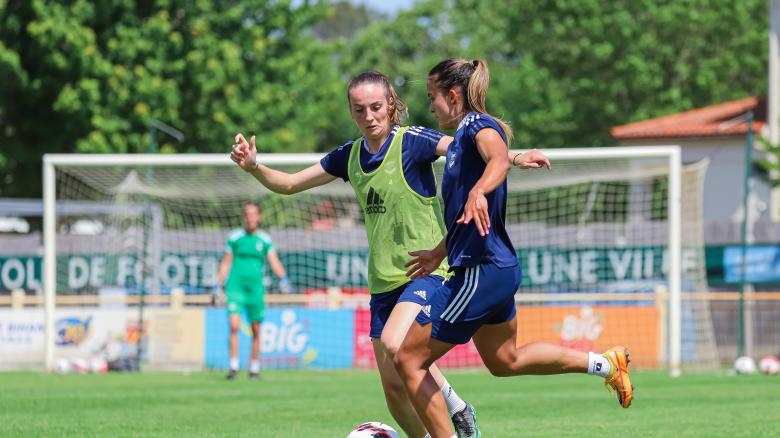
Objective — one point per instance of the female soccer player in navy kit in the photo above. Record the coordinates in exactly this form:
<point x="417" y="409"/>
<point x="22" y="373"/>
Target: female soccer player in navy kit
<point x="398" y="216"/>
<point x="478" y="300"/>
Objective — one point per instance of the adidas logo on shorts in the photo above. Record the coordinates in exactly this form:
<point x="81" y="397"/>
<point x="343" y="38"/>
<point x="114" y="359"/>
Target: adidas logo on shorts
<point x="374" y="203"/>
<point x="421" y="294"/>
<point x="427" y="310"/>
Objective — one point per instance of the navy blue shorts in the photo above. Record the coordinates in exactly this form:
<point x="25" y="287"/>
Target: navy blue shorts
<point x="416" y="291"/>
<point x="474" y="296"/>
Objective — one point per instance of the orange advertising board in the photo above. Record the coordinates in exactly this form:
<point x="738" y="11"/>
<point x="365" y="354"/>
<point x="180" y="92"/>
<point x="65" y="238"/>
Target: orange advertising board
<point x="594" y="328"/>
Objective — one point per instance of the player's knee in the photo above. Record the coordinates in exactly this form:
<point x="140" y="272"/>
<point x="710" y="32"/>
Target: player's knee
<point x="500" y="371"/>
<point x="403" y="362"/>
<point x="398" y="361"/>
<point x="505" y="366"/>
<point x="390" y="346"/>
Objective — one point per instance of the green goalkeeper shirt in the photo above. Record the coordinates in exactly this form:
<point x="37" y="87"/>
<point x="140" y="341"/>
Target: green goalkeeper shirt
<point x="249" y="253"/>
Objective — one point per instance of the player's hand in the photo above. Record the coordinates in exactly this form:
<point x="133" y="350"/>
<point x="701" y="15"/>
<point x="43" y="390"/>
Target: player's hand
<point x="244" y="152"/>
<point x="476" y="209"/>
<point x="284" y="285"/>
<point x="422" y="263"/>
<point x="217" y="296"/>
<point x="533" y="159"/>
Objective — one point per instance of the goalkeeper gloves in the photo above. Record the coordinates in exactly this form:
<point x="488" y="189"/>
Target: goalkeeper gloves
<point x="284" y="285"/>
<point x="217" y="297"/>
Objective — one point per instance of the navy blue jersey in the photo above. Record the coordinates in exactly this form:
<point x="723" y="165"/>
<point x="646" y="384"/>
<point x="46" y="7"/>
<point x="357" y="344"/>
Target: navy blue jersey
<point x="417" y="152"/>
<point x="464" y="167"/>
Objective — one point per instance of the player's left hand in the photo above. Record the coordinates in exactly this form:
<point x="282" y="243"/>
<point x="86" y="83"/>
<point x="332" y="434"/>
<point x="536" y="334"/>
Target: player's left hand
<point x="284" y="285"/>
<point x="244" y="153"/>
<point x="422" y="263"/>
<point x="533" y="159"/>
<point x="218" y="297"/>
<point x="476" y="209"/>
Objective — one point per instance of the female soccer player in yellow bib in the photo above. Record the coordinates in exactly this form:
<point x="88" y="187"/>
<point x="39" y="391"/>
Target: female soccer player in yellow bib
<point x="390" y="170"/>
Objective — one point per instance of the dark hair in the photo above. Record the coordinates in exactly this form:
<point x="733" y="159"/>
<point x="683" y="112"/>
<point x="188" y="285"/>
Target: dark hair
<point x="472" y="79"/>
<point x="399" y="109"/>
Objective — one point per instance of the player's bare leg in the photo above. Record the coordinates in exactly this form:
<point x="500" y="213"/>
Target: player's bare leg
<point x="398" y="402"/>
<point x="254" y="363"/>
<point x="461" y="413"/>
<point x="235" y="323"/>
<point x="413" y="360"/>
<point x="496" y="344"/>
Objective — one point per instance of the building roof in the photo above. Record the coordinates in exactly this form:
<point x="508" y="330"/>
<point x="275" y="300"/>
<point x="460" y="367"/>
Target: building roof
<point x="710" y="121"/>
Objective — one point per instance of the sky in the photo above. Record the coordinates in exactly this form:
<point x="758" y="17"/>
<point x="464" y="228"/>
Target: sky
<point x="386" y="6"/>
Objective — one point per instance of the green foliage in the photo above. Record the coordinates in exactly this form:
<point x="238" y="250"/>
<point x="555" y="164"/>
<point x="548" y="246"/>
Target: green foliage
<point x="404" y="49"/>
<point x="344" y="20"/>
<point x="83" y="76"/>
<point x="769" y="164"/>
<point x="566" y="71"/>
<point x="88" y="76"/>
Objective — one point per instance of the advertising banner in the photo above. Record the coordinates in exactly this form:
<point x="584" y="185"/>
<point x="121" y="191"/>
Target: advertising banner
<point x="459" y="357"/>
<point x="762" y="263"/>
<point x="196" y="271"/>
<point x="290" y="338"/>
<point x="174" y="338"/>
<point x="594" y="328"/>
<point x="79" y="333"/>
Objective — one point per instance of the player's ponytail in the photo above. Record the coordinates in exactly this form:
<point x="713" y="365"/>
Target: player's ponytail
<point x="472" y="79"/>
<point x="399" y="111"/>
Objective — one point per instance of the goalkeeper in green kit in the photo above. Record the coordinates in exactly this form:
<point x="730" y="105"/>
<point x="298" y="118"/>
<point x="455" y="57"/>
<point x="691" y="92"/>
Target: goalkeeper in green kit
<point x="243" y="265"/>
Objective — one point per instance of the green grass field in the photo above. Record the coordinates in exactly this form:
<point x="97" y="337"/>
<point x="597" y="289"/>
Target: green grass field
<point x="330" y="403"/>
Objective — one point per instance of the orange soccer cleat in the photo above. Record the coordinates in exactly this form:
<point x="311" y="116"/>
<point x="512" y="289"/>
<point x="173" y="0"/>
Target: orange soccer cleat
<point x="618" y="379"/>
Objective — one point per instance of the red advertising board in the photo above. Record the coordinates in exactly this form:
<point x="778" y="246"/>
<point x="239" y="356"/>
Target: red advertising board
<point x="363" y="357"/>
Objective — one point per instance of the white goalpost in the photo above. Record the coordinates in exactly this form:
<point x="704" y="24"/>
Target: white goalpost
<point x="606" y="249"/>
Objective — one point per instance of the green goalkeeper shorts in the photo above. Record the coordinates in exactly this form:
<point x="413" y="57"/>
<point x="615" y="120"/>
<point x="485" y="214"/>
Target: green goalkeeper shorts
<point x="246" y="296"/>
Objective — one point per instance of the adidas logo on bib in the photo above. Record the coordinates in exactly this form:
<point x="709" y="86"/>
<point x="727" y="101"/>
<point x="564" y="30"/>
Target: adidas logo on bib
<point x="427" y="310"/>
<point x="374" y="203"/>
<point x="421" y="294"/>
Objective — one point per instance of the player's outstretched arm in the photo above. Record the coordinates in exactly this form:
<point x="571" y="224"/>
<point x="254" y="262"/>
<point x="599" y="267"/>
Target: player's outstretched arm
<point x="533" y="159"/>
<point x="244" y="154"/>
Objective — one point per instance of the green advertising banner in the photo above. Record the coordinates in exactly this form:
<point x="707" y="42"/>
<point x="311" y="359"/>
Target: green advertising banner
<point x="309" y="269"/>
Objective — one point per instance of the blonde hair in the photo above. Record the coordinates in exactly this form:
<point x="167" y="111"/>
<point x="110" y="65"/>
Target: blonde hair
<point x="399" y="109"/>
<point x="472" y="79"/>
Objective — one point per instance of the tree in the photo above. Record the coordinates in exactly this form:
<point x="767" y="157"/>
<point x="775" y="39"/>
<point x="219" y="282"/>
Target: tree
<point x="83" y="76"/>
<point x="344" y="20"/>
<point x="565" y="71"/>
<point x="601" y="64"/>
<point x="403" y="49"/>
<point x="89" y="76"/>
<point x="769" y="164"/>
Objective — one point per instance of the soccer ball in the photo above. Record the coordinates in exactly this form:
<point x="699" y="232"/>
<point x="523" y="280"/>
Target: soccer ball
<point x="769" y="365"/>
<point x="745" y="365"/>
<point x="373" y="429"/>
<point x="97" y="365"/>
<point x="62" y="366"/>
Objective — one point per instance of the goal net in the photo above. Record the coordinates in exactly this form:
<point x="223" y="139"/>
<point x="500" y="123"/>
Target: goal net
<point x="133" y="244"/>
